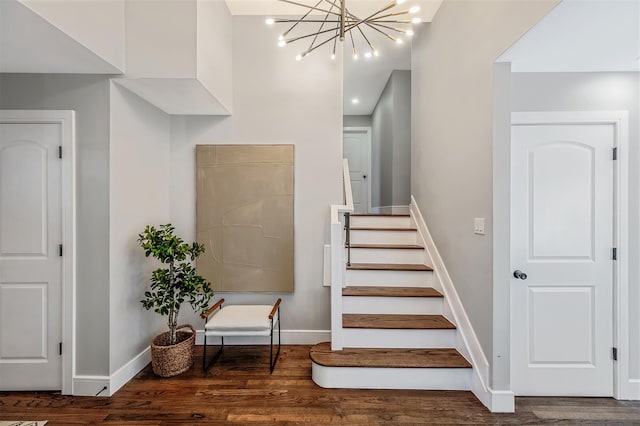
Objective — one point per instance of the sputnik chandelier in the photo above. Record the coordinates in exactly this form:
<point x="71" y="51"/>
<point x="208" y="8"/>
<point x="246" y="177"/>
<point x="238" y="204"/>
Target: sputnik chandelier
<point x="338" y="23"/>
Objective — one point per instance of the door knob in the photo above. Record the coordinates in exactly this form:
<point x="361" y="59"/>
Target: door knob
<point x="519" y="274"/>
<point x="364" y="176"/>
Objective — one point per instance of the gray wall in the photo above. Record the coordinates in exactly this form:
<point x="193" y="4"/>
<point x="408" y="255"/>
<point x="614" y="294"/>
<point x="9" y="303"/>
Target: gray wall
<point x="276" y="100"/>
<point x="88" y="95"/>
<point x="139" y="184"/>
<point x="597" y="92"/>
<point x="356" y="121"/>
<point x="391" y="143"/>
<point x="451" y="138"/>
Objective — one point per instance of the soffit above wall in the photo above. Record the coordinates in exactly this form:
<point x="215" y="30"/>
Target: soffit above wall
<point x="31" y="44"/>
<point x="581" y="36"/>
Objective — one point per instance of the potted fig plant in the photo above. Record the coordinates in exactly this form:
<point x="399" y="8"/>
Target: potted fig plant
<point x="171" y="286"/>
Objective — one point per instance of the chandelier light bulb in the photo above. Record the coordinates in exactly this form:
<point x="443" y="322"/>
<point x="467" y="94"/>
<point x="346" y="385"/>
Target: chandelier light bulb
<point x="280" y="37"/>
<point x="376" y="53"/>
<point x="298" y="57"/>
<point x="269" y="21"/>
<point x="355" y="101"/>
<point x="414" y="9"/>
<point x="399" y="41"/>
<point x="368" y="55"/>
<point x="400" y="1"/>
<point x="282" y="43"/>
<point x="409" y="32"/>
<point x="416" y="20"/>
<point x="333" y="56"/>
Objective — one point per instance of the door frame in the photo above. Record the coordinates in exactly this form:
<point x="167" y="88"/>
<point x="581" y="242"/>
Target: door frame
<point x="66" y="119"/>
<point x="623" y="387"/>
<point x="367" y="130"/>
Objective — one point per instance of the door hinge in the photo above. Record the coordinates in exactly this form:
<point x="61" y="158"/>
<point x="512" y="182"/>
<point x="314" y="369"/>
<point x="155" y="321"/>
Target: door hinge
<point x="60" y="151"/>
<point x="60" y="348"/>
<point x="615" y="153"/>
<point x="614" y="254"/>
<point x="59" y="249"/>
<point x="614" y="353"/>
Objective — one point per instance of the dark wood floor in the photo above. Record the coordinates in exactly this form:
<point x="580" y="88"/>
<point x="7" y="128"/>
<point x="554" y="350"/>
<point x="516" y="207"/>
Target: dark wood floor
<point x="240" y="390"/>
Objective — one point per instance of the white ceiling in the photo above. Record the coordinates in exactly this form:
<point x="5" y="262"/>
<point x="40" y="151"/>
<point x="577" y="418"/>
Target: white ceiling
<point x="365" y="78"/>
<point x="581" y="36"/>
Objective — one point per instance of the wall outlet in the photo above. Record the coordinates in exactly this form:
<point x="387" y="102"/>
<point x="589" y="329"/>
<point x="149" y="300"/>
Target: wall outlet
<point x="478" y="225"/>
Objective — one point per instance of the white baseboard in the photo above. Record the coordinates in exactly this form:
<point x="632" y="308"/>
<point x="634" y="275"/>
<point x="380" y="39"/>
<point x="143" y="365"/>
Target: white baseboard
<point x="289" y="337"/>
<point x="129" y="370"/>
<point x="390" y="210"/>
<point x="467" y="341"/>
<point x="91" y="386"/>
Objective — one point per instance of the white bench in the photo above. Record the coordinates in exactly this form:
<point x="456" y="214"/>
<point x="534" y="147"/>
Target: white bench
<point x="240" y="320"/>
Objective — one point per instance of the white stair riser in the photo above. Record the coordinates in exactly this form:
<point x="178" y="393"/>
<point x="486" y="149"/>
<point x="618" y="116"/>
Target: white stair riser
<point x="380" y="221"/>
<point x="389" y="278"/>
<point x="399" y="338"/>
<point x="383" y="237"/>
<point x="391" y="378"/>
<point x="386" y="256"/>
<point x="391" y="305"/>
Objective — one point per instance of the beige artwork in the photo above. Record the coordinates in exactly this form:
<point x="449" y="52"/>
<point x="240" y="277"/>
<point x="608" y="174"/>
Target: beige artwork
<point x="245" y="216"/>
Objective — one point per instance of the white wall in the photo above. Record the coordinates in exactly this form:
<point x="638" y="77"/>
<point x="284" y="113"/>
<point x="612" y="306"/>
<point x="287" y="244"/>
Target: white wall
<point x="139" y="196"/>
<point x="161" y="39"/>
<point x="276" y="101"/>
<point x="451" y="148"/>
<point x="597" y="92"/>
<point x="214" y="49"/>
<point x="89" y="96"/>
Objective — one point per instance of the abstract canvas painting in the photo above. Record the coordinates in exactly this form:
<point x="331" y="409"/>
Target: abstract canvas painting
<point x="245" y="216"/>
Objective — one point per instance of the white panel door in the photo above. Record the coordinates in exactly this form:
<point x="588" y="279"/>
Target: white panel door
<point x="30" y="262"/>
<point x="562" y="238"/>
<point x="356" y="147"/>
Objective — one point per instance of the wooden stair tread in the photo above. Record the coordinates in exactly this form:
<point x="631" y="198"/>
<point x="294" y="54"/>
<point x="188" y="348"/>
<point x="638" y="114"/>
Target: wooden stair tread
<point x="388" y="267"/>
<point x="395" y="321"/>
<point x="387" y="358"/>
<point x="391" y="291"/>
<point x="380" y="228"/>
<point x="379" y="215"/>
<point x="387" y="246"/>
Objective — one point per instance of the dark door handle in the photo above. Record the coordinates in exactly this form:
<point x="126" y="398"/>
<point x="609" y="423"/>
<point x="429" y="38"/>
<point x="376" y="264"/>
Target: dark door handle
<point x="364" y="176"/>
<point x="519" y="274"/>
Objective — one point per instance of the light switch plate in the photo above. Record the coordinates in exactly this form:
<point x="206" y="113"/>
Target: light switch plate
<point x="478" y="225"/>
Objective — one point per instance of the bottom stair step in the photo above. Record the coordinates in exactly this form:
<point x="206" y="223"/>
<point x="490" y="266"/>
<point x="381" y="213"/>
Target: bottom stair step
<point x="356" y="374"/>
<point x="387" y="357"/>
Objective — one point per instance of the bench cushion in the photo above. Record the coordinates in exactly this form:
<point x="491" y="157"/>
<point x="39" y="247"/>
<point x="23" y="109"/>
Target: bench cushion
<point x="240" y="320"/>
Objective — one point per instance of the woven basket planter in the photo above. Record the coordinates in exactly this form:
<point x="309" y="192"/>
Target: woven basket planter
<point x="170" y="360"/>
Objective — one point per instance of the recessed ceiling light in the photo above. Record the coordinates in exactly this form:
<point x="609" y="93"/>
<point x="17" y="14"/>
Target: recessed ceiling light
<point x="355" y="101"/>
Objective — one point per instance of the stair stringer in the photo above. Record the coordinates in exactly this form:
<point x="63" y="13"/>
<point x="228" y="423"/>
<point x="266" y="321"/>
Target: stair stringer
<point x="467" y="342"/>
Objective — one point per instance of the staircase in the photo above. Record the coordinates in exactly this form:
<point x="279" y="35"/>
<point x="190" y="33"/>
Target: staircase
<point x="394" y="333"/>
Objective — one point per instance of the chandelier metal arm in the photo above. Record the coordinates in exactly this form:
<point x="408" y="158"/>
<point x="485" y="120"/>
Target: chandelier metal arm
<point x="341" y="21"/>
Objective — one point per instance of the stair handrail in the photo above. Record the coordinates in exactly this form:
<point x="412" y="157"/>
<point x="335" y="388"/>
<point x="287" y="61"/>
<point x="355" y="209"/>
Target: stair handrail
<point x="337" y="257"/>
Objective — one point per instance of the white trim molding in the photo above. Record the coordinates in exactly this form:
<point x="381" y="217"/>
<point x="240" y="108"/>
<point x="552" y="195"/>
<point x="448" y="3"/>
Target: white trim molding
<point x="625" y="387"/>
<point x="467" y="342"/>
<point x="91" y="386"/>
<point x="66" y="119"/>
